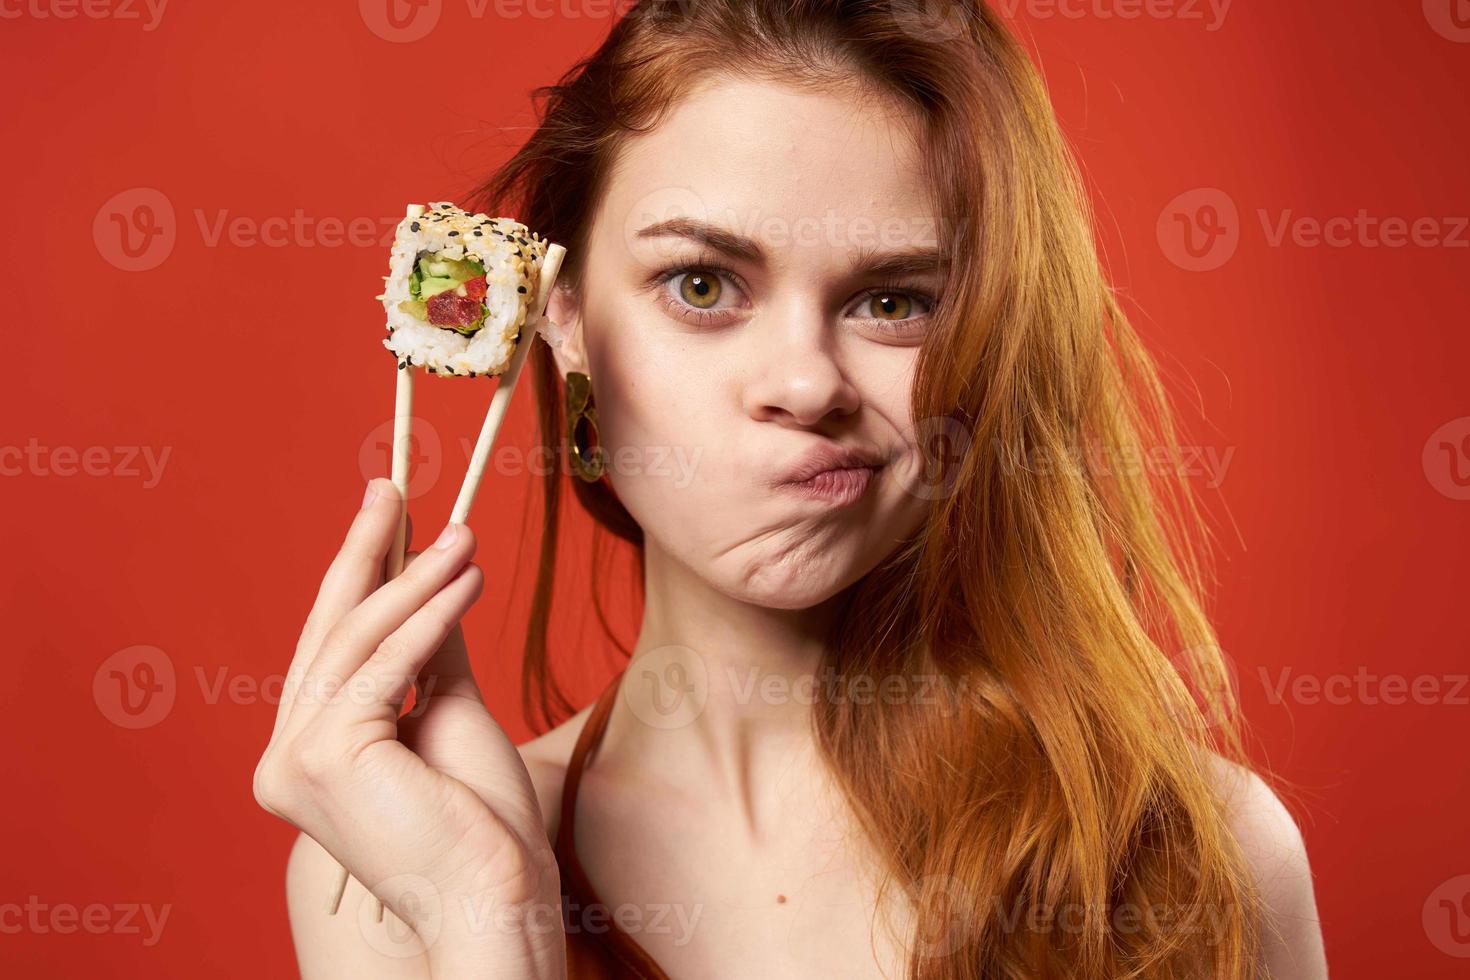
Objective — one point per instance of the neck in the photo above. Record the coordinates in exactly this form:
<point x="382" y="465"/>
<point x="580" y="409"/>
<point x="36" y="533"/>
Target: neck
<point x="719" y="691"/>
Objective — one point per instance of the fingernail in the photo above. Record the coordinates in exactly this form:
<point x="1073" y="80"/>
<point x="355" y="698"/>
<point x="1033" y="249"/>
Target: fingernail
<point x="370" y="496"/>
<point x="447" y="538"/>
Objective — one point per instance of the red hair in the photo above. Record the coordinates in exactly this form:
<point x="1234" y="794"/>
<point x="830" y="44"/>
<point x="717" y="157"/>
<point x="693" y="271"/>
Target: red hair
<point x="1045" y="590"/>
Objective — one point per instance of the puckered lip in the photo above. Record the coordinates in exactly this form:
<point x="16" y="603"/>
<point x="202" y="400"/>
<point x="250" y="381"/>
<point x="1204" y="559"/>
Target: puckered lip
<point x="824" y="456"/>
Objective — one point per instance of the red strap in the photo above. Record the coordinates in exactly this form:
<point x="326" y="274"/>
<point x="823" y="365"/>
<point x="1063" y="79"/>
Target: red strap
<point x="632" y="960"/>
<point x="587" y="741"/>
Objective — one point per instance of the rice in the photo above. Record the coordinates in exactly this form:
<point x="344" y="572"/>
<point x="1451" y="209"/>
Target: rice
<point x="512" y="258"/>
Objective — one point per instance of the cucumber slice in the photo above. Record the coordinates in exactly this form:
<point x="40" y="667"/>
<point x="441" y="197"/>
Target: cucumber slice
<point x="430" y="288"/>
<point x="460" y="270"/>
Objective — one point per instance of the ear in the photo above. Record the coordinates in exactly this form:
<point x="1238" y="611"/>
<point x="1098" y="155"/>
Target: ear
<point x="564" y="310"/>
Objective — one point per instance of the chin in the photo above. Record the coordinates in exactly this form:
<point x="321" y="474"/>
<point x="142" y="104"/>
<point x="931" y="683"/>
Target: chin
<point x="799" y="579"/>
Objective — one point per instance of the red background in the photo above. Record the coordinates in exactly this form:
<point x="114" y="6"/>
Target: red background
<point x="1325" y="370"/>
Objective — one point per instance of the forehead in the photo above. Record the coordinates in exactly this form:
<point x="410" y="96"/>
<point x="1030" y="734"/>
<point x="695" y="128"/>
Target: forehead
<point x="766" y="158"/>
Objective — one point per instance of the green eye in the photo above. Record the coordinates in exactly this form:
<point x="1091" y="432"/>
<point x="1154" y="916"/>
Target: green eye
<point x="700" y="289"/>
<point x="892" y="306"/>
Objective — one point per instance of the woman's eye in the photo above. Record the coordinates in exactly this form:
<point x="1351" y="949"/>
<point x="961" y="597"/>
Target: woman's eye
<point x="703" y="295"/>
<point x="699" y="288"/>
<point x="891" y="306"/>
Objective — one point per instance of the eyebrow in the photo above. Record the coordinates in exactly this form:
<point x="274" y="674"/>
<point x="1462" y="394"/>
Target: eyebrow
<point x="869" y="263"/>
<point x="702" y="231"/>
<point x="899" y="265"/>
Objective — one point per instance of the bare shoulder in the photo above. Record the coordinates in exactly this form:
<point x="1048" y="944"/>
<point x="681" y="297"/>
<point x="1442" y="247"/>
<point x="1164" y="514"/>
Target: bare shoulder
<point x="349" y="943"/>
<point x="1265" y="829"/>
<point x="546" y="758"/>
<point x="1275" y="852"/>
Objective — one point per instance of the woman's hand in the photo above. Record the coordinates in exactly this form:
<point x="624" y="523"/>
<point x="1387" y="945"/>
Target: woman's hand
<point x="438" y="800"/>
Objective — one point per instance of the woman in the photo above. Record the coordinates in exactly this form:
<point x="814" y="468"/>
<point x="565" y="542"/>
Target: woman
<point x="908" y="696"/>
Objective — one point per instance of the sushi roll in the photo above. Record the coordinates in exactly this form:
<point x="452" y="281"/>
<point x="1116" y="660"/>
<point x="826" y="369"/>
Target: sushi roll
<point x="459" y="289"/>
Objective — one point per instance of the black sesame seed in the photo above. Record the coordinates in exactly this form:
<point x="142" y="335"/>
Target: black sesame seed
<point x="415" y="226"/>
<point x="520" y="289"/>
<point x="454" y="234"/>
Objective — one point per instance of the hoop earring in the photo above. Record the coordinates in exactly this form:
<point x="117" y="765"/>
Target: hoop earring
<point x="587" y="457"/>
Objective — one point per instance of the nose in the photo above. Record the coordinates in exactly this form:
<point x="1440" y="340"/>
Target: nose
<point x="796" y="378"/>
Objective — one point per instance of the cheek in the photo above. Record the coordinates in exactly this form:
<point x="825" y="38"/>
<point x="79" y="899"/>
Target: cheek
<point x="885" y="375"/>
<point x="647" y="422"/>
<point x="659" y="406"/>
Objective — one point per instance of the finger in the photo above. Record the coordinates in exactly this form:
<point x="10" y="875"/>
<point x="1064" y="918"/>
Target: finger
<point x="384" y="680"/>
<point x="447" y="674"/>
<point x="349" y="643"/>
<point x="357" y="568"/>
<point x="352" y="575"/>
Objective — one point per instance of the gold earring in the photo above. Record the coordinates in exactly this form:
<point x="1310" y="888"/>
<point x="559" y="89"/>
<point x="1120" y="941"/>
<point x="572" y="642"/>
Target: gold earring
<point x="587" y="458"/>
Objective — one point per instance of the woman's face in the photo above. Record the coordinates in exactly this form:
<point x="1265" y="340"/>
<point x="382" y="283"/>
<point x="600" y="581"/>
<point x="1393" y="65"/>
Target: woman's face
<point x="757" y="284"/>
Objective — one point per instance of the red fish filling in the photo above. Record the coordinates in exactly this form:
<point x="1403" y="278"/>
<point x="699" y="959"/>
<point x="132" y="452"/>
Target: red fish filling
<point x="459" y="307"/>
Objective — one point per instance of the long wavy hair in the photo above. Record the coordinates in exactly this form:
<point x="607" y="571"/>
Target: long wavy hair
<point x="1065" y="823"/>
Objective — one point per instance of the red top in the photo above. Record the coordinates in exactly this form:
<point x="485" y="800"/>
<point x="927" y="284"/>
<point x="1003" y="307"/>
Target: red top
<point x="597" y="949"/>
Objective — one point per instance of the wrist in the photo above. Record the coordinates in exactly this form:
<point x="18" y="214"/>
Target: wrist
<point x="499" y="928"/>
<point x="485" y="939"/>
<point x="479" y="920"/>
